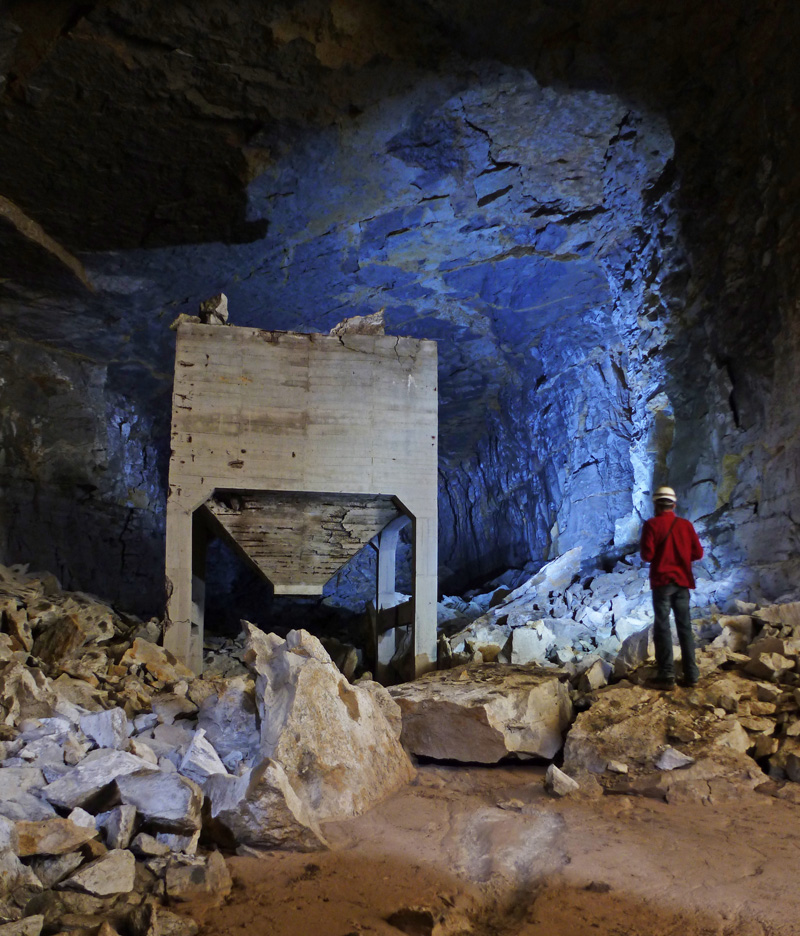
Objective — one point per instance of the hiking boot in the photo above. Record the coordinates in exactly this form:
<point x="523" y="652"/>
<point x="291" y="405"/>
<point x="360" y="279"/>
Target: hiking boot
<point x="661" y="682"/>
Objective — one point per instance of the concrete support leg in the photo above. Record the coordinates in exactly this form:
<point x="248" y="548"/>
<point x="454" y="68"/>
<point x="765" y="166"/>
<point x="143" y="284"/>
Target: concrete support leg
<point x="386" y="596"/>
<point x="178" y="624"/>
<point x="187" y="539"/>
<point x="425" y="593"/>
<point x="200" y="539"/>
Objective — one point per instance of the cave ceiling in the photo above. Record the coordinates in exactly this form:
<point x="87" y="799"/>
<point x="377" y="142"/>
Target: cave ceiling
<point x="555" y="191"/>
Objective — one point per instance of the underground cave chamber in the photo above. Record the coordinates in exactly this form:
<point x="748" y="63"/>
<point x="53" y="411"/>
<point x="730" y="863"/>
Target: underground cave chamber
<point x="599" y="331"/>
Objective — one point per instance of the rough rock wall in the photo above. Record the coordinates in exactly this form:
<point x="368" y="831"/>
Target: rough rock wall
<point x="81" y="492"/>
<point x="372" y="134"/>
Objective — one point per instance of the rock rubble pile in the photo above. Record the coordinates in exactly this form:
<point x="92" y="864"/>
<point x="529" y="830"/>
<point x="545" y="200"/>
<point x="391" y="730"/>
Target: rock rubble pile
<point x="121" y="772"/>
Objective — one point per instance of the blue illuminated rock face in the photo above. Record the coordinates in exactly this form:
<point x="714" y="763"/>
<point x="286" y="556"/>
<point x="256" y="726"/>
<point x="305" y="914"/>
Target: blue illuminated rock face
<point x="528" y="230"/>
<point x="523" y="228"/>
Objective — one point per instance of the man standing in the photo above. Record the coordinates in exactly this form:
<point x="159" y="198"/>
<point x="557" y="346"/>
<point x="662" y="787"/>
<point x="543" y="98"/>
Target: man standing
<point x="670" y="545"/>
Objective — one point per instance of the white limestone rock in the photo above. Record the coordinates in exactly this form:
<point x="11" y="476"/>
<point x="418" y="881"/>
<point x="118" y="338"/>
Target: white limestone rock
<point x="201" y="760"/>
<point x="184" y="844"/>
<point x="100" y="768"/>
<point x="636" y="650"/>
<point x="108" y="729"/>
<point x="332" y="739"/>
<point x="595" y="676"/>
<point x="672" y="759"/>
<point x="260" y="809"/>
<point x="114" y="873"/>
<point x="736" y="632"/>
<point x="14" y="780"/>
<point x="228" y="717"/>
<point x="559" y="783"/>
<point x="25" y="807"/>
<point x="169" y="801"/>
<point x="529" y="644"/>
<point x="118" y="825"/>
<point x="482" y="713"/>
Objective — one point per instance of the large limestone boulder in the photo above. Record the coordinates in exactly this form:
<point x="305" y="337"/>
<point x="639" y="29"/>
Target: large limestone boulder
<point x="333" y="739"/>
<point x="482" y="713"/>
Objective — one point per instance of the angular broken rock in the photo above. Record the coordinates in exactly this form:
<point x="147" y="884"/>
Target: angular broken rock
<point x="51" y="837"/>
<point x="160" y="663"/>
<point x="30" y="926"/>
<point x="52" y="870"/>
<point x="482" y="713"/>
<point x="332" y="739"/>
<point x="169" y="801"/>
<point x="228" y="717"/>
<point x="25" y="807"/>
<point x="114" y="873"/>
<point x="118" y="824"/>
<point x="635" y="651"/>
<point x="97" y="771"/>
<point x="108" y="729"/>
<point x="595" y="676"/>
<point x="768" y="665"/>
<point x="201" y="760"/>
<point x="529" y="644"/>
<point x="261" y="809"/>
<point x="672" y="759"/>
<point x="559" y="783"/>
<point x="198" y="879"/>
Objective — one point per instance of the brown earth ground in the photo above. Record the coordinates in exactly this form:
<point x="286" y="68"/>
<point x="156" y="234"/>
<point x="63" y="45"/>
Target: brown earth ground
<point x="476" y="850"/>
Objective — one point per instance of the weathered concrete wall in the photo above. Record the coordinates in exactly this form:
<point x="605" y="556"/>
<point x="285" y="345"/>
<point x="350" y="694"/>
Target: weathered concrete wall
<point x="270" y="411"/>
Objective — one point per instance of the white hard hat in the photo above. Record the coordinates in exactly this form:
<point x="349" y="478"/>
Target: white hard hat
<point x="665" y="493"/>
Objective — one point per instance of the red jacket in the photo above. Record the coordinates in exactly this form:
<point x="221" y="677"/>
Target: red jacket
<point x="675" y="558"/>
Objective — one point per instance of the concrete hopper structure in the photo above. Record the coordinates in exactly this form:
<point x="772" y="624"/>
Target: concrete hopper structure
<point x="299" y="449"/>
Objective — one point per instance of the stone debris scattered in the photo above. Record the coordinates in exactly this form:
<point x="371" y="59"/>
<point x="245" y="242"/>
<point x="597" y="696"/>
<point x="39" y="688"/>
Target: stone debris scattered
<point x="115" y="758"/>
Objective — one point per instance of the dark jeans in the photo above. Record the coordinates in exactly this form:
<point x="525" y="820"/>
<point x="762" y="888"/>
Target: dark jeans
<point x="677" y="598"/>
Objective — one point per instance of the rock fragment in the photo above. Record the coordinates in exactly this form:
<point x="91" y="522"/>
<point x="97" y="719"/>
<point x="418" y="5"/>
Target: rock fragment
<point x="51" y="837"/>
<point x="118" y="824"/>
<point x="198" y="879"/>
<point x="82" y="783"/>
<point x="168" y="801"/>
<point x="559" y="783"/>
<point x="114" y="873"/>
<point x="201" y="760"/>
<point x="260" y="808"/>
<point x="108" y="729"/>
<point x="30" y="926"/>
<point x="672" y="759"/>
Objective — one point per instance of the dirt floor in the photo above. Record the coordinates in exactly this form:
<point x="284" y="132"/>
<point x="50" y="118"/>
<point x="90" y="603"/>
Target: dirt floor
<point x="475" y="850"/>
